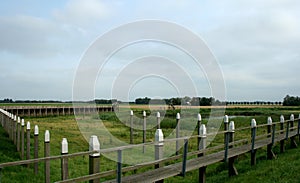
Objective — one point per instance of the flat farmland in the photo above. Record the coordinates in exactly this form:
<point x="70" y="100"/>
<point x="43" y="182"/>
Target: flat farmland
<point x="67" y="127"/>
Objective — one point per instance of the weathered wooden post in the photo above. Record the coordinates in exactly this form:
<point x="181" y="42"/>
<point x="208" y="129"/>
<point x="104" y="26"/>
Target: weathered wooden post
<point x="22" y="138"/>
<point x="226" y="138"/>
<point x="28" y="142"/>
<point x="201" y="146"/>
<point x="159" y="145"/>
<point x="64" y="160"/>
<point x="293" y="142"/>
<point x="144" y="129"/>
<point x="177" y="132"/>
<point x="253" y="135"/>
<point x="282" y="147"/>
<point x="18" y="134"/>
<point x="232" y="171"/>
<point x="184" y="157"/>
<point x="36" y="148"/>
<point x="119" y="166"/>
<point x="158" y="120"/>
<point x="15" y="130"/>
<point x="270" y="154"/>
<point x="131" y="127"/>
<point x="10" y="126"/>
<point x="47" y="154"/>
<point x="94" y="158"/>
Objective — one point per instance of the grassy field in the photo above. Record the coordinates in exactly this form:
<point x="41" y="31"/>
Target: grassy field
<point x="66" y="126"/>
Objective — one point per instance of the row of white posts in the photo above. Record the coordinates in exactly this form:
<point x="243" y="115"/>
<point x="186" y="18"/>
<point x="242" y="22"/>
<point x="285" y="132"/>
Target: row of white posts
<point x="16" y="129"/>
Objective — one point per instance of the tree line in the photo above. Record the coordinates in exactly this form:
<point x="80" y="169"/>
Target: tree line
<point x="193" y="101"/>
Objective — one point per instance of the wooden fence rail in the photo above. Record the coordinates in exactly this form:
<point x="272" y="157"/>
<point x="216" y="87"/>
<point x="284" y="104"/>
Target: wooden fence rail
<point x="178" y="164"/>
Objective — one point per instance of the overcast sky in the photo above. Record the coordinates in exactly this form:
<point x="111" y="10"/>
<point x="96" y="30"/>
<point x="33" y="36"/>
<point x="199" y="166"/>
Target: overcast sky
<point x="256" y="44"/>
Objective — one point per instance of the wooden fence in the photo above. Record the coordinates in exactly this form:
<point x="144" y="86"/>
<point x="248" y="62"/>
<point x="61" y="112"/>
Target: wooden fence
<point x="162" y="167"/>
<point x="55" y="110"/>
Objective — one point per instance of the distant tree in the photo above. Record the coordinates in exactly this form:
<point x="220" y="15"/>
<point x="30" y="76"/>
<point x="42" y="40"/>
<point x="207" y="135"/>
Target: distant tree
<point x="145" y="100"/>
<point x="291" y="101"/>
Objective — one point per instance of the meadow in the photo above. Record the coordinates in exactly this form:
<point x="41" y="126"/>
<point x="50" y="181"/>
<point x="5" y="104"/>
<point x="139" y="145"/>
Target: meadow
<point x="67" y="127"/>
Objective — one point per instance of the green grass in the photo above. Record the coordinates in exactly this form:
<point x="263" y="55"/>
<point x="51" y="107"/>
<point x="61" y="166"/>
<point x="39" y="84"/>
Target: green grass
<point x="66" y="126"/>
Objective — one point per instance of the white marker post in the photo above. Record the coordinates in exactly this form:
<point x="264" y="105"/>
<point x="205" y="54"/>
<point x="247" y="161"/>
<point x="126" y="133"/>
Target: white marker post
<point x="293" y="142"/>
<point x="232" y="171"/>
<point x="15" y="130"/>
<point x="159" y="145"/>
<point x="22" y="138"/>
<point x="270" y="154"/>
<point x="36" y="148"/>
<point x="94" y="158"/>
<point x="18" y="134"/>
<point x="144" y="129"/>
<point x="282" y="146"/>
<point x="47" y="154"/>
<point x="253" y="135"/>
<point x="202" y="146"/>
<point x="64" y="160"/>
<point x="28" y="142"/>
<point x="177" y="132"/>
<point x="131" y="127"/>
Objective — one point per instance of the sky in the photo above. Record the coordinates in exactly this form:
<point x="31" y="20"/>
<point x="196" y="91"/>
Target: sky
<point x="256" y="45"/>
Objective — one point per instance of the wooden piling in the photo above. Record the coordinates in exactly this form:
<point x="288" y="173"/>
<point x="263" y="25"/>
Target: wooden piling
<point x="47" y="154"/>
<point x="131" y="127"/>
<point x="270" y="154"/>
<point x="232" y="171"/>
<point x="22" y="138"/>
<point x="94" y="158"/>
<point x="282" y="146"/>
<point x="36" y="148"/>
<point x="144" y="129"/>
<point x="201" y="146"/>
<point x="64" y="160"/>
<point x="28" y="142"/>
<point x="177" y="132"/>
<point x="253" y="135"/>
<point x="293" y="141"/>
<point x="159" y="138"/>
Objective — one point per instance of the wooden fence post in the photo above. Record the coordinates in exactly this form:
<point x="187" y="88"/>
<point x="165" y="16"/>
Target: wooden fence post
<point x="282" y="147"/>
<point x="18" y="134"/>
<point x="158" y="120"/>
<point x="270" y="154"/>
<point x="94" y="158"/>
<point x="159" y="145"/>
<point x="28" y="142"/>
<point x="144" y="129"/>
<point x="119" y="166"/>
<point x="15" y="130"/>
<point x="184" y="157"/>
<point x="177" y="132"/>
<point x="201" y="146"/>
<point x="253" y="135"/>
<point x="131" y="127"/>
<point x="232" y="171"/>
<point x="64" y="160"/>
<point x="10" y="126"/>
<point x="226" y="138"/>
<point x="293" y="142"/>
<point x="36" y="148"/>
<point x="47" y="154"/>
<point x="22" y="138"/>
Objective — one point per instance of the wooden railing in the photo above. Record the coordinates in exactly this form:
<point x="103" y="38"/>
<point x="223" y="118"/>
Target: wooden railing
<point x="189" y="158"/>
